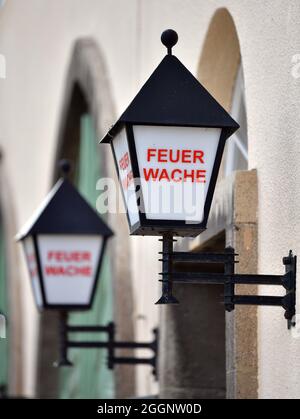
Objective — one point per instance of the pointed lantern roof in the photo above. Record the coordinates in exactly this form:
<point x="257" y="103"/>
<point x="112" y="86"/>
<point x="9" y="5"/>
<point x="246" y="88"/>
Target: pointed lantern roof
<point x="173" y="96"/>
<point x="65" y="211"/>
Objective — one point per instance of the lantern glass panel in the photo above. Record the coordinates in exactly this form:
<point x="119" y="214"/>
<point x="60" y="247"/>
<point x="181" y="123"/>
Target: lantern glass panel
<point x="124" y="167"/>
<point x="69" y="266"/>
<point x="175" y="165"/>
<point x="33" y="269"/>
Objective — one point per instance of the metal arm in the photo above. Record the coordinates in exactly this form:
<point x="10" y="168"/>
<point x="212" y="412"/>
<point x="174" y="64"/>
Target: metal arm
<point x="110" y="344"/>
<point x="229" y="279"/>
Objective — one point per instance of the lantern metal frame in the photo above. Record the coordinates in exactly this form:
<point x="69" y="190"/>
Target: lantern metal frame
<point x="147" y="226"/>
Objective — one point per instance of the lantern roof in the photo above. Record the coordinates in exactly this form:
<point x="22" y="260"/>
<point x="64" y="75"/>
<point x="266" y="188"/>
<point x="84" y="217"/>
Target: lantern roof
<point x="65" y="211"/>
<point x="173" y="96"/>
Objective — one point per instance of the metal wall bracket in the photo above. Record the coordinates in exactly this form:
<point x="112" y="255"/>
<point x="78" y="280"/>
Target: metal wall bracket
<point x="110" y="344"/>
<point x="170" y="275"/>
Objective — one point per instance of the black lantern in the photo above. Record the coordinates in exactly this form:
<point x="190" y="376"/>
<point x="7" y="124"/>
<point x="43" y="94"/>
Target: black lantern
<point x="168" y="146"/>
<point x="64" y="243"/>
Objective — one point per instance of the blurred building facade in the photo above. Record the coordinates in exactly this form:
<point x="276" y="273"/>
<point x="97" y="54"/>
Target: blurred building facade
<point x="68" y="69"/>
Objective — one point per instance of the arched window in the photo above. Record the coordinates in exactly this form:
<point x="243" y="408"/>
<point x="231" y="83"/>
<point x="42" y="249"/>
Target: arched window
<point x="81" y="381"/>
<point x="221" y="72"/>
<point x="87" y="108"/>
<point x="236" y="156"/>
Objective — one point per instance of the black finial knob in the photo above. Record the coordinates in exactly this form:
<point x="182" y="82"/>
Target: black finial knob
<point x="65" y="167"/>
<point x="169" y="38"/>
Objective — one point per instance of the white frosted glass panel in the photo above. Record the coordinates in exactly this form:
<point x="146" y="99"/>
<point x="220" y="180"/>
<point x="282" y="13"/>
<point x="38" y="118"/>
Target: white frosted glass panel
<point x="126" y="176"/>
<point x="175" y="165"/>
<point x="69" y="266"/>
<point x="33" y="269"/>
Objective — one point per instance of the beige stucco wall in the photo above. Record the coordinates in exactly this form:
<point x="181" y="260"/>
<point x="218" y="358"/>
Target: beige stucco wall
<point x="36" y="39"/>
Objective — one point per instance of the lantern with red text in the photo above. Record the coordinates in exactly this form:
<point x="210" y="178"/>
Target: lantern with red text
<point x="64" y="245"/>
<point x="168" y="146"/>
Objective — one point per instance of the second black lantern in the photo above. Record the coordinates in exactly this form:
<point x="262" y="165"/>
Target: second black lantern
<point x="64" y="243"/>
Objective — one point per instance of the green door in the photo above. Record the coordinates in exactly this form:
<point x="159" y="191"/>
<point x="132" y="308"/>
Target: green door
<point x="90" y="377"/>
